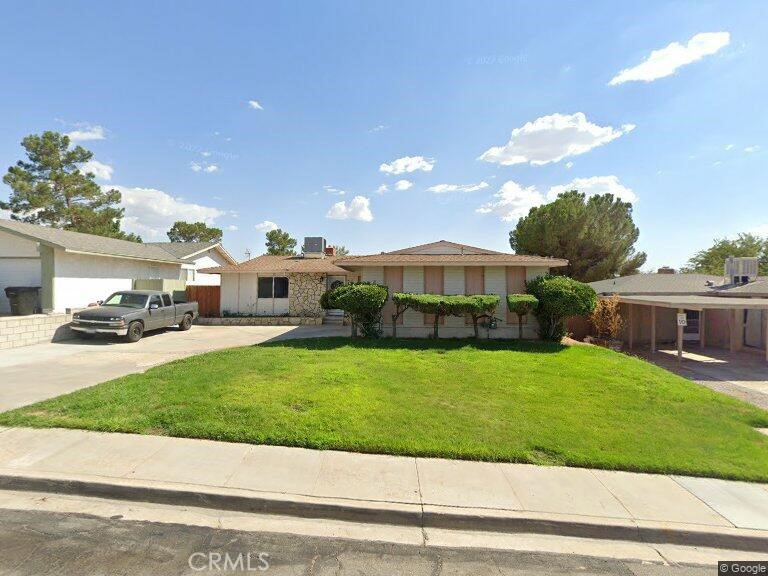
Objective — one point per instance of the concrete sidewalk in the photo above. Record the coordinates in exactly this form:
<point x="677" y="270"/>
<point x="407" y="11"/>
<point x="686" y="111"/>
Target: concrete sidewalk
<point x="388" y="489"/>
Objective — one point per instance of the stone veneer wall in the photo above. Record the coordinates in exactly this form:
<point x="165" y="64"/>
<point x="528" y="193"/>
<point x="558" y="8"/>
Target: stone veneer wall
<point x="304" y="291"/>
<point x="17" y="331"/>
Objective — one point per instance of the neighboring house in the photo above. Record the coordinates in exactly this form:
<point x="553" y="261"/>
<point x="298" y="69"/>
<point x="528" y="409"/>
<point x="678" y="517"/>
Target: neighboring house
<point x="196" y="256"/>
<point x="75" y="269"/>
<point x="728" y="311"/>
<point x="292" y="286"/>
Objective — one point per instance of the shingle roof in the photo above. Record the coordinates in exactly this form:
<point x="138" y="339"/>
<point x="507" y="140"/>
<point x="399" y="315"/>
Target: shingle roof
<point x="87" y="243"/>
<point x="498" y="259"/>
<point x="658" y="284"/>
<point x="267" y="264"/>
<point x="758" y="287"/>
<point x="464" y="248"/>
<point x="183" y="249"/>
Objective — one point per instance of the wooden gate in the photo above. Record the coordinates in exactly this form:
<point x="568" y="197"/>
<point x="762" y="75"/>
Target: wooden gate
<point x="207" y="297"/>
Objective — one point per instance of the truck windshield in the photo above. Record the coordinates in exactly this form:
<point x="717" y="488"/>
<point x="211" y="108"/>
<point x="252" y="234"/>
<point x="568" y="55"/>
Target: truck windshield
<point x="127" y="300"/>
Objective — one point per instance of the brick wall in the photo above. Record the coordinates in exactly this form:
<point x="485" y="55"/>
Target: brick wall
<point x="17" y="331"/>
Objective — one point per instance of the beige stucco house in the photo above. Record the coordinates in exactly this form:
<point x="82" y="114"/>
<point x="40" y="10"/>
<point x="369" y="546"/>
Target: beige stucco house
<point x="291" y="286"/>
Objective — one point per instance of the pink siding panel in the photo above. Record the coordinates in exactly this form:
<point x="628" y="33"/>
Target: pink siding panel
<point x="515" y="285"/>
<point x="393" y="279"/>
<point x="433" y="284"/>
<point x="474" y="283"/>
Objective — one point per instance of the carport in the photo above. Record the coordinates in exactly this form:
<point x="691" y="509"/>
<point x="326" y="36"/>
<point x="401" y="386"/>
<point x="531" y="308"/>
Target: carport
<point x="706" y="306"/>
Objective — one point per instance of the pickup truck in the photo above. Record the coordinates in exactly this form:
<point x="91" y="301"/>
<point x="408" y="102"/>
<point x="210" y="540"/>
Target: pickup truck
<point x="133" y="312"/>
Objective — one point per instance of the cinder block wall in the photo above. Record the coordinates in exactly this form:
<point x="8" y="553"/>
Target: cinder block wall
<point x="17" y="331"/>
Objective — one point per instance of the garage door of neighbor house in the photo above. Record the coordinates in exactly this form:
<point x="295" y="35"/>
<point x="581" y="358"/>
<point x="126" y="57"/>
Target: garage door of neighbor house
<point x="207" y="297"/>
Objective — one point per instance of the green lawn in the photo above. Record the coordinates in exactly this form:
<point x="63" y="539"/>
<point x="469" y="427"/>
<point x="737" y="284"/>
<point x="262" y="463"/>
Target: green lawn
<point x="522" y="402"/>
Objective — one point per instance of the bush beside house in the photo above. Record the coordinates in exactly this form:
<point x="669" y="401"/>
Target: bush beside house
<point x="560" y="298"/>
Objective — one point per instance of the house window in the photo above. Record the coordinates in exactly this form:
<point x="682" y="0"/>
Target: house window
<point x="273" y="287"/>
<point x="265" y="287"/>
<point x="281" y="287"/>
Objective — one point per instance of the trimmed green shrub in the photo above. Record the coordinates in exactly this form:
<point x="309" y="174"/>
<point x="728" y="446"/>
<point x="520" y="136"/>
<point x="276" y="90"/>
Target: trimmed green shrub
<point x="363" y="301"/>
<point x="522" y="305"/>
<point x="441" y="305"/>
<point x="560" y="298"/>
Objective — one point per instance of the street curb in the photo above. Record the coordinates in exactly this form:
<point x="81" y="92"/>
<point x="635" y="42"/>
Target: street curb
<point x="399" y="514"/>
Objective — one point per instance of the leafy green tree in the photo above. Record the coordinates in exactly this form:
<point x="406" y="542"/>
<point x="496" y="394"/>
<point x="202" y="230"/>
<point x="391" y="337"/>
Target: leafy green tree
<point x="193" y="232"/>
<point x="596" y="235"/>
<point x="440" y="305"/>
<point x="712" y="260"/>
<point x="51" y="188"/>
<point x="341" y="251"/>
<point x="363" y="301"/>
<point x="560" y="298"/>
<point x="522" y="305"/>
<point x="280" y="243"/>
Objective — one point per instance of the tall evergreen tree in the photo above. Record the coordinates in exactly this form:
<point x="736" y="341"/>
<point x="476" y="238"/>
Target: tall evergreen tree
<point x="194" y="232"/>
<point x="52" y="188"/>
<point x="280" y="243"/>
<point x="596" y="235"/>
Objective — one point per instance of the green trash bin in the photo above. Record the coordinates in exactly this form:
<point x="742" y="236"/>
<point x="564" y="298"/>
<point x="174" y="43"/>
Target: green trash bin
<point x="24" y="300"/>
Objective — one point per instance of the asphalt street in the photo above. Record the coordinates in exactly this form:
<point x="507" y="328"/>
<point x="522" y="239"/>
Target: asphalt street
<point x="41" y="543"/>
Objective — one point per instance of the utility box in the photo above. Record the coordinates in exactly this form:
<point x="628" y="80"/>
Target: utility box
<point x="314" y="247"/>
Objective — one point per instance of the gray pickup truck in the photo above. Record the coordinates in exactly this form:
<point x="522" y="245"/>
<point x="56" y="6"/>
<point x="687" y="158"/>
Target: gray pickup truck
<point x="133" y="312"/>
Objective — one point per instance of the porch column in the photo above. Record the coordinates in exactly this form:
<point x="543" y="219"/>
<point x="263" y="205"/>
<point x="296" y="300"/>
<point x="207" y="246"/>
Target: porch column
<point x="679" y="338"/>
<point x="702" y="329"/>
<point x="736" y="324"/>
<point x="653" y="329"/>
<point x="765" y="316"/>
<point x="631" y="326"/>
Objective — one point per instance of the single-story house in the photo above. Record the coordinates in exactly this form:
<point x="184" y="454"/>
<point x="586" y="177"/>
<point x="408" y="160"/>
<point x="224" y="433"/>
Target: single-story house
<point x="196" y="256"/>
<point x="75" y="269"/>
<point x="724" y="311"/>
<point x="292" y="285"/>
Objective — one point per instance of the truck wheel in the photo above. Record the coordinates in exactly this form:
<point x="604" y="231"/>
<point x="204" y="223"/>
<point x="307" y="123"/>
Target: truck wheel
<point x="186" y="322"/>
<point x="135" y="331"/>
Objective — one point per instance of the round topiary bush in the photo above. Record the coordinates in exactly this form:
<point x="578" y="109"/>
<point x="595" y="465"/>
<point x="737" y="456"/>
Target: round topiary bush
<point x="363" y="301"/>
<point x="560" y="298"/>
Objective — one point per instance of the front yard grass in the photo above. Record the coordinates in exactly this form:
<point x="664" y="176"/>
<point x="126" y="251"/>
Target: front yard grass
<point x="503" y="401"/>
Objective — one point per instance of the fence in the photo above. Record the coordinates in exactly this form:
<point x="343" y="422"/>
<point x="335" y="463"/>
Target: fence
<point x="207" y="297"/>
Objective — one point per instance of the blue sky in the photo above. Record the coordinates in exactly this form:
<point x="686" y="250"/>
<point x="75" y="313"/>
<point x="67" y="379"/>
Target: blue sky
<point x="350" y="96"/>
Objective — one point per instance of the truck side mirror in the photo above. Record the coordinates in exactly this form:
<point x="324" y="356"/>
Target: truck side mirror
<point x="154" y="306"/>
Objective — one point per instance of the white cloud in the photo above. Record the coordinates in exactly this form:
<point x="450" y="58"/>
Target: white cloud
<point x="402" y="185"/>
<point x="382" y="189"/>
<point x="512" y="201"/>
<point x="408" y="164"/>
<point x="254" y="105"/>
<point x="569" y="165"/>
<point x="232" y="228"/>
<point x="729" y="147"/>
<point x="665" y="61"/>
<point x="87" y="132"/>
<point x="552" y="138"/>
<point x="379" y="128"/>
<point x="150" y="212"/>
<point x="444" y="188"/>
<point x="335" y="191"/>
<point x="594" y="186"/>
<point x="750" y="149"/>
<point x="99" y="169"/>
<point x="359" y="208"/>
<point x="266" y="226"/>
<point x="207" y="168"/>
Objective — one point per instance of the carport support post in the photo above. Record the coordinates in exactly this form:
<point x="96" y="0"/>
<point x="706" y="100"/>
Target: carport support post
<point x="631" y="326"/>
<point x="653" y="328"/>
<point x="702" y="329"/>
<point x="680" y="338"/>
<point x="765" y="315"/>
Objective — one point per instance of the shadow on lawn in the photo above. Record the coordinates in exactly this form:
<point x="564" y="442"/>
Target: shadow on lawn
<point x="442" y="344"/>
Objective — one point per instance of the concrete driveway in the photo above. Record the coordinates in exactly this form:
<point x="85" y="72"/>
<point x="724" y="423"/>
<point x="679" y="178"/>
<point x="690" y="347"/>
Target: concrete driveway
<point x="42" y="371"/>
<point x="743" y="375"/>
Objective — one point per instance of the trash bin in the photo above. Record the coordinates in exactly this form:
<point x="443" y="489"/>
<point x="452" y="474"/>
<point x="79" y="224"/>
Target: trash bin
<point x="24" y="300"/>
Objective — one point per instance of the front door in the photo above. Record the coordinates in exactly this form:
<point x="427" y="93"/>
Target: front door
<point x="335" y="282"/>
<point x="691" y="330"/>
